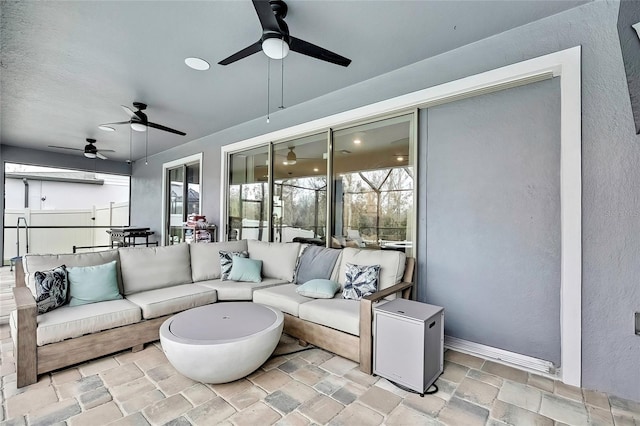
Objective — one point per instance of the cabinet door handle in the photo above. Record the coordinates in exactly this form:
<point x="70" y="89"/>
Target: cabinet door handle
<point x="432" y="324"/>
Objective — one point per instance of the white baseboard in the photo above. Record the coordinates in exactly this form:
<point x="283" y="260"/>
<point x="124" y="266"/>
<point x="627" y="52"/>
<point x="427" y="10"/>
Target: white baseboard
<point x="524" y="362"/>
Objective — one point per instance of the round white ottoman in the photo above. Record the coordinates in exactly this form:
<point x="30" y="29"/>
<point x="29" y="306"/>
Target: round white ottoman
<point x="222" y="342"/>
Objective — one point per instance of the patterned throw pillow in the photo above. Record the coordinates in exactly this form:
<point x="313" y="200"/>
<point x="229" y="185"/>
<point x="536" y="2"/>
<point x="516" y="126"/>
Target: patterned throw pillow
<point x="226" y="261"/>
<point x="51" y="289"/>
<point x="361" y="280"/>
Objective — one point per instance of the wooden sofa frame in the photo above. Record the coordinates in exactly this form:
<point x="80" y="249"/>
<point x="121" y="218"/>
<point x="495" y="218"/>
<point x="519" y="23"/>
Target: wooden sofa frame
<point x="33" y="360"/>
<point x="356" y="348"/>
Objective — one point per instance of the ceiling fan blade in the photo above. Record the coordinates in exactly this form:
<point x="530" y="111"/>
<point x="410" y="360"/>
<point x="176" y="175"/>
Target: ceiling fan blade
<point x="106" y="150"/>
<point x="118" y="122"/>
<point x="129" y="111"/>
<point x="100" y="156"/>
<point x="65" y="147"/>
<point x="166" y="129"/>
<point x="265" y="15"/>
<point x="317" y="52"/>
<point x="247" y="51"/>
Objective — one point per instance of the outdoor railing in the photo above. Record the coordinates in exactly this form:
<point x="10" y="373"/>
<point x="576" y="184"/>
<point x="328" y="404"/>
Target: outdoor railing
<point x="54" y="239"/>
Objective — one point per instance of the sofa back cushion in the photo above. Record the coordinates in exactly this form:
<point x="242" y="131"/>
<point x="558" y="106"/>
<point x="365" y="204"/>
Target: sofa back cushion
<point x="150" y="268"/>
<point x="205" y="258"/>
<point x="32" y="263"/>
<point x="278" y="259"/>
<point x="391" y="264"/>
<point x="316" y="263"/>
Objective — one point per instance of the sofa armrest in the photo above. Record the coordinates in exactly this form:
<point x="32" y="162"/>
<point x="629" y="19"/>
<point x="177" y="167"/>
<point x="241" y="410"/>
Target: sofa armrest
<point x="19" y="275"/>
<point x="24" y="298"/>
<point x="25" y="342"/>
<point x="405" y="288"/>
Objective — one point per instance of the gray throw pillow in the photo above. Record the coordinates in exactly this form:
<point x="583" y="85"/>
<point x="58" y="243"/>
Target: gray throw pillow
<point x="361" y="280"/>
<point x="226" y="262"/>
<point x="51" y="288"/>
<point x="316" y="263"/>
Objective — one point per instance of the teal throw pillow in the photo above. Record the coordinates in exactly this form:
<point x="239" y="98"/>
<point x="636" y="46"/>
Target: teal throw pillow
<point x="245" y="269"/>
<point x="91" y="284"/>
<point x="318" y="289"/>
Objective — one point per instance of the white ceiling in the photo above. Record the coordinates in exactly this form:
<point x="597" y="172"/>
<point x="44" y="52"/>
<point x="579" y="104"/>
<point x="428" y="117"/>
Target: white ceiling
<point x="67" y="66"/>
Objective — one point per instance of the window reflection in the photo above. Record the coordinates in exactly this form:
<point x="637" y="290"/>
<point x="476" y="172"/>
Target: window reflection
<point x="248" y="195"/>
<point x="300" y="186"/>
<point x="373" y="184"/>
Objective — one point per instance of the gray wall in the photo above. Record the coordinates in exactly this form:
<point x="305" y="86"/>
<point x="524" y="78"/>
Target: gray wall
<point x="493" y="218"/>
<point x="610" y="170"/>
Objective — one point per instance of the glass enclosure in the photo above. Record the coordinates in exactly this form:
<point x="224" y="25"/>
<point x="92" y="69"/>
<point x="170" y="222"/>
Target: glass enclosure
<point x="300" y="190"/>
<point x="248" y="195"/>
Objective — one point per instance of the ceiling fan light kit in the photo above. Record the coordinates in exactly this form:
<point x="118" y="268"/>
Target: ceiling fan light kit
<point x="138" y="127"/>
<point x="275" y="47"/>
<point x="291" y="157"/>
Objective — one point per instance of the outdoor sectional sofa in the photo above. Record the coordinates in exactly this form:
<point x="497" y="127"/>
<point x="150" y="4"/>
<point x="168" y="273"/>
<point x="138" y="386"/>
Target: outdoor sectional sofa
<point x="157" y="282"/>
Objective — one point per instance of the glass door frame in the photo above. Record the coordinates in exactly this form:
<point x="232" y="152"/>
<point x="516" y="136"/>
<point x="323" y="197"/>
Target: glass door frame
<point x="166" y="190"/>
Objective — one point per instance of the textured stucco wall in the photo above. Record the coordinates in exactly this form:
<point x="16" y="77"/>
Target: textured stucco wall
<point x="610" y="161"/>
<point x="493" y="218"/>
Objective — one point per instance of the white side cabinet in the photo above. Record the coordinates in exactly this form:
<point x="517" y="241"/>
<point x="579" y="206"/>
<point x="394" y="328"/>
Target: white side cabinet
<point x="409" y="343"/>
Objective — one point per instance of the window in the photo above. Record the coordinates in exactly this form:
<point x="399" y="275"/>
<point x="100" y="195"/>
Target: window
<point x="372" y="187"/>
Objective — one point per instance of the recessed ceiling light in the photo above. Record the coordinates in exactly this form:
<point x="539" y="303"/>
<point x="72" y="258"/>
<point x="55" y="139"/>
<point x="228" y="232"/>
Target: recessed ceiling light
<point x="106" y="128"/>
<point x="400" y="158"/>
<point x="316" y="169"/>
<point x="197" y="64"/>
<point x="357" y="141"/>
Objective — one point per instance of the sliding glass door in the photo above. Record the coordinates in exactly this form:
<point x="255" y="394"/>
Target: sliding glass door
<point x="182" y="194"/>
<point x="373" y="182"/>
<point x="248" y="195"/>
<point x="300" y="190"/>
<point x="280" y="191"/>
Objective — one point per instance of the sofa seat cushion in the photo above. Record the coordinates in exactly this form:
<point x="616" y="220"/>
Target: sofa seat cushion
<point x="67" y="321"/>
<point x="341" y="314"/>
<point x="168" y="300"/>
<point x="151" y="268"/>
<point x="239" y="290"/>
<point x="284" y="297"/>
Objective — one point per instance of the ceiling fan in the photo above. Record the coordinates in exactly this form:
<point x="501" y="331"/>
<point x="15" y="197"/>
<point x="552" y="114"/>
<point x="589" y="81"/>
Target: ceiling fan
<point x="276" y="41"/>
<point x="90" y="150"/>
<point x="292" y="158"/>
<point x="139" y="121"/>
